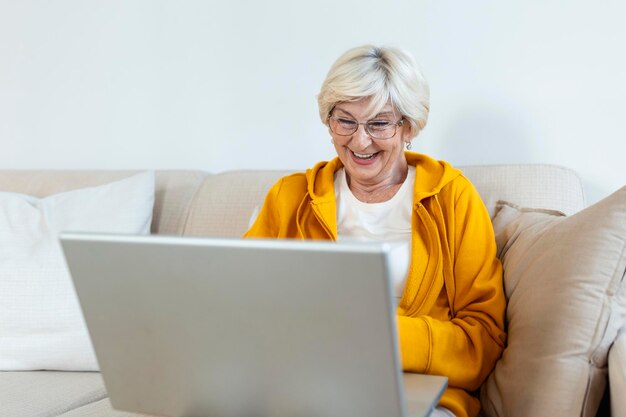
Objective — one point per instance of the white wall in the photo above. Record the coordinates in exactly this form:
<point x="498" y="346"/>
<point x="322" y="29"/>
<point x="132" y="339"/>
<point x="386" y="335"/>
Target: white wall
<point x="227" y="85"/>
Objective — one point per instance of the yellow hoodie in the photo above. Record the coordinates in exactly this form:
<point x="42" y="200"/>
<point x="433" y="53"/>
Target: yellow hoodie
<point x="451" y="315"/>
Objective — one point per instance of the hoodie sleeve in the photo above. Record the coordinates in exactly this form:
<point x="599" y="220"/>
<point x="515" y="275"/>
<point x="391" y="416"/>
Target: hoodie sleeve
<point x="278" y="216"/>
<point x="466" y="346"/>
<point x="267" y="223"/>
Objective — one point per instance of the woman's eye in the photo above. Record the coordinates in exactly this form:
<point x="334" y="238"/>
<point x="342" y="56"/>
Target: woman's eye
<point x="379" y="124"/>
<point x="347" y="122"/>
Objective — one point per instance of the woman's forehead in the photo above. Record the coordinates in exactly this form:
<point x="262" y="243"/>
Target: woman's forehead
<point x="362" y="108"/>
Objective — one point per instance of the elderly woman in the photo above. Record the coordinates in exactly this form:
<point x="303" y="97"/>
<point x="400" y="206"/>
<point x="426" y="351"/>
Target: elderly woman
<point x="450" y="311"/>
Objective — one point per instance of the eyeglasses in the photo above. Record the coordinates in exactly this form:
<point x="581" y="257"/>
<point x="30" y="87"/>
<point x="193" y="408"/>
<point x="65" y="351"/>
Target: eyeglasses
<point x="377" y="128"/>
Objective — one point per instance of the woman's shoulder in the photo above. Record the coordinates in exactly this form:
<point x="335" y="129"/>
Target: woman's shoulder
<point x="317" y="181"/>
<point x="290" y="185"/>
<point x="432" y="176"/>
<point x="304" y="182"/>
<point x="438" y="177"/>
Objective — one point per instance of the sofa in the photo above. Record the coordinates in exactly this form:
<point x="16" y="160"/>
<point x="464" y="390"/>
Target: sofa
<point x="545" y="197"/>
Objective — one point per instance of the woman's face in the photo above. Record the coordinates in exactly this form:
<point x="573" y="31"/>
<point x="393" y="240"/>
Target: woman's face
<point x="368" y="161"/>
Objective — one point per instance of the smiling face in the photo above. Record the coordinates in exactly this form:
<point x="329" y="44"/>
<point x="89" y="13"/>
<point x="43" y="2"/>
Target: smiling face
<point x="371" y="163"/>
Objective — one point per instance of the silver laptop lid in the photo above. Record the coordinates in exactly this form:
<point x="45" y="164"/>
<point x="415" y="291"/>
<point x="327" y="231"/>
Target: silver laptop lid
<point x="228" y="327"/>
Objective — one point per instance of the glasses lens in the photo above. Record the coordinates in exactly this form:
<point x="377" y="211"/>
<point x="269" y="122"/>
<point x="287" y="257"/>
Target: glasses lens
<point x="381" y="129"/>
<point x="343" y="126"/>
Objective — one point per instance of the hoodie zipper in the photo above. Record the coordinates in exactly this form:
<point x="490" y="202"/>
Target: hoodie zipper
<point x="431" y="270"/>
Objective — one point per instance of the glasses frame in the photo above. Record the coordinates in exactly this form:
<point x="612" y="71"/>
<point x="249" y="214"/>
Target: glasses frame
<point x="365" y="126"/>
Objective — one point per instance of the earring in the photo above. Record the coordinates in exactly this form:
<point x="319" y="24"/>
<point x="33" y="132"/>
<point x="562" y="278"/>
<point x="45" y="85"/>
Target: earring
<point x="332" y="141"/>
<point x="408" y="146"/>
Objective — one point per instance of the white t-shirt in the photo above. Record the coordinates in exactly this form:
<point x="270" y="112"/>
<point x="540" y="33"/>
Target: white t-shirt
<point x="389" y="221"/>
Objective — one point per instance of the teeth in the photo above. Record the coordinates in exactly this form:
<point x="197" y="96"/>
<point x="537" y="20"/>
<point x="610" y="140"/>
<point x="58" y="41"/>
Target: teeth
<point x="363" y="155"/>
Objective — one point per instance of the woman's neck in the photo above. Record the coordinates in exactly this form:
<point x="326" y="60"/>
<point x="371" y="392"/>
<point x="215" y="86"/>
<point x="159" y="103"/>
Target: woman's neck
<point x="380" y="191"/>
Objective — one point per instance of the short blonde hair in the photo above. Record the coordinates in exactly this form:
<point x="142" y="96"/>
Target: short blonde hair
<point x="386" y="75"/>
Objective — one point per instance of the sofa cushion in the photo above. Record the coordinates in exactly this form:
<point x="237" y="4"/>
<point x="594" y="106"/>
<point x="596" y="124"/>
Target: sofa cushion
<point x="42" y="326"/>
<point x="47" y="393"/>
<point x="564" y="282"/>
<point x="617" y="375"/>
<point x="100" y="408"/>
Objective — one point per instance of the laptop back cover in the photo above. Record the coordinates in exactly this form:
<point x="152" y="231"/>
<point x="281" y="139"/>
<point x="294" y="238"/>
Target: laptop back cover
<point x="226" y="327"/>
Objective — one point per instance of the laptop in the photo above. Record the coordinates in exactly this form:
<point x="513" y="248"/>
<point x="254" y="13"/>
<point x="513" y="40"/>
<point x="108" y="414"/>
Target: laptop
<point x="194" y="327"/>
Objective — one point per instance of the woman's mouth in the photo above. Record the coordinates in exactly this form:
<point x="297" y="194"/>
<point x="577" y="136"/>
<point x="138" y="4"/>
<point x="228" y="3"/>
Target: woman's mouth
<point x="363" y="158"/>
<point x="364" y="155"/>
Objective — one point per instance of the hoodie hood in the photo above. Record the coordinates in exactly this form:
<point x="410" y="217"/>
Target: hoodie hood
<point x="430" y="177"/>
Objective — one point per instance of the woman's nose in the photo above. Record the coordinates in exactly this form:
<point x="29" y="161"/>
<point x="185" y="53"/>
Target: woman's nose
<point x="361" y="138"/>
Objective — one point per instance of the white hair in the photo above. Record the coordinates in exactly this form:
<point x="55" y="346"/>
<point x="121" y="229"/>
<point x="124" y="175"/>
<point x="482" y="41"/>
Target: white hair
<point x="384" y="74"/>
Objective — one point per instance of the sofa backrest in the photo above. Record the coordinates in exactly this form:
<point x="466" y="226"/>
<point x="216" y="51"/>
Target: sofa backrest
<point x="196" y="203"/>
<point x="225" y="202"/>
<point x="532" y="185"/>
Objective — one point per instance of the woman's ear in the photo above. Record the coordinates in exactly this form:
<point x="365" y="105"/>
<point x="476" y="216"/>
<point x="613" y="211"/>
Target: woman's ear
<point x="406" y="132"/>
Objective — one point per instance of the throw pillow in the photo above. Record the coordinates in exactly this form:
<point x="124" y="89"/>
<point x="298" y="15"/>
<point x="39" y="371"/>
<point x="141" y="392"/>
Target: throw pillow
<point x="617" y="374"/>
<point x="41" y="325"/>
<point x="564" y="279"/>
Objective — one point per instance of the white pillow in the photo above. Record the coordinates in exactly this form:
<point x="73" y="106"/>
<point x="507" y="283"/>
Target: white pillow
<point x="41" y="324"/>
<point x="565" y="282"/>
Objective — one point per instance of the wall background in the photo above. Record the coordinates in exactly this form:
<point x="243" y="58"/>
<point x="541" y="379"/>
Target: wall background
<point x="228" y="85"/>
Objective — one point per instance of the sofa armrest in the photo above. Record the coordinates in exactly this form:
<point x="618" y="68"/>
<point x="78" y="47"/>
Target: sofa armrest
<point x="617" y="375"/>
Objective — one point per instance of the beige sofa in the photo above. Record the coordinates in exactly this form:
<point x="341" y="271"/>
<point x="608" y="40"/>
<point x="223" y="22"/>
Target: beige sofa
<point x="196" y="203"/>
